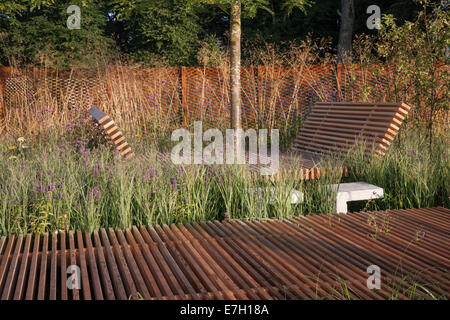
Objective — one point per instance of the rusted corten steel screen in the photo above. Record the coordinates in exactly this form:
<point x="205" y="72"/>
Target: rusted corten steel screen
<point x="335" y="127"/>
<point x="205" y="94"/>
<point x="300" y="258"/>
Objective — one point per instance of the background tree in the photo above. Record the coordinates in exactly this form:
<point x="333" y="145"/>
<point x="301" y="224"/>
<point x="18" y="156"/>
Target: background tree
<point x="347" y="16"/>
<point x="235" y="8"/>
<point x="251" y="7"/>
<point x="171" y="31"/>
<point x="166" y="29"/>
<point x="417" y="50"/>
<point x="38" y="35"/>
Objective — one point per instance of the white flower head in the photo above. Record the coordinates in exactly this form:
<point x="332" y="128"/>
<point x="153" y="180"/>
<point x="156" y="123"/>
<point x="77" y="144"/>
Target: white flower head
<point x="21" y="139"/>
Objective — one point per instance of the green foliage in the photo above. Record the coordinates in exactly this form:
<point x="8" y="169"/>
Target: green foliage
<point x="417" y="50"/>
<point x="34" y="32"/>
<point x="38" y="35"/>
<point x="167" y="29"/>
<point x="15" y="7"/>
<point x="173" y="29"/>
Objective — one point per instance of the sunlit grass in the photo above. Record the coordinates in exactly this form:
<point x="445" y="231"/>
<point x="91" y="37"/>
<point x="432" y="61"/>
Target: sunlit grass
<point x="79" y="182"/>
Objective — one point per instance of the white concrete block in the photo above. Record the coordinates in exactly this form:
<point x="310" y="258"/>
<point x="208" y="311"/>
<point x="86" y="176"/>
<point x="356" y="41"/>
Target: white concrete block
<point x="355" y="191"/>
<point x="296" y="196"/>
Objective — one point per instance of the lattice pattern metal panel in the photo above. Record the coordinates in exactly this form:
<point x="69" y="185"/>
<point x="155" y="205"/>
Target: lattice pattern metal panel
<point x="272" y="96"/>
<point x="206" y="95"/>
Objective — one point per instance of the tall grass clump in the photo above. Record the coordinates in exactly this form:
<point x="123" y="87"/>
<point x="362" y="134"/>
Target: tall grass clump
<point x="413" y="173"/>
<point x="78" y="181"/>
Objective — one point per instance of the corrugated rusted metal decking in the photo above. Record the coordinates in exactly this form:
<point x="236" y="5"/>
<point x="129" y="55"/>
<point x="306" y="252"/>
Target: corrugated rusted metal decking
<point x="299" y="258"/>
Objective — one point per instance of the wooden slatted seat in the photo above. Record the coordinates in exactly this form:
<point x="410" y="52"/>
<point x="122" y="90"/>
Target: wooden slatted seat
<point x="335" y="127"/>
<point x="113" y="132"/>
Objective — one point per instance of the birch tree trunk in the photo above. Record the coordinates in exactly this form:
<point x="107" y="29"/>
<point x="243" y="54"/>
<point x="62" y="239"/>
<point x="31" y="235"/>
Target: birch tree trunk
<point x="235" y="72"/>
<point x="344" y="52"/>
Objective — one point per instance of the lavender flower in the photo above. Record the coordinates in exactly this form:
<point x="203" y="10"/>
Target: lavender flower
<point x="152" y="171"/>
<point x="174" y="183"/>
<point x="227" y="216"/>
<point x="186" y="199"/>
<point x="96" y="193"/>
<point x="146" y="176"/>
<point x="96" y="168"/>
<point x="180" y="172"/>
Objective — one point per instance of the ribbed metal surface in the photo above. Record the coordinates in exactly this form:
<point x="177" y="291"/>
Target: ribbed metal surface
<point x="300" y="258"/>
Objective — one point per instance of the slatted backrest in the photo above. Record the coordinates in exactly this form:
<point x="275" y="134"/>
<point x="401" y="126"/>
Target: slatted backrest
<point x="335" y="127"/>
<point x="113" y="132"/>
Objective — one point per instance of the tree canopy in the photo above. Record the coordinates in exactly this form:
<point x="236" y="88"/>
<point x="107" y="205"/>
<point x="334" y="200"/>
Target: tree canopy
<point x="34" y="32"/>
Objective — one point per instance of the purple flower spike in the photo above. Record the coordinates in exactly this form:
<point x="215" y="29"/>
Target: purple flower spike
<point x="174" y="183"/>
<point x="186" y="199"/>
<point x="96" y="193"/>
<point x="227" y="216"/>
<point x="152" y="172"/>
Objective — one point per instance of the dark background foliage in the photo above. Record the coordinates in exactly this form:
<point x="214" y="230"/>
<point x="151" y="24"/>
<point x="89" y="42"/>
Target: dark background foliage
<point x="35" y="33"/>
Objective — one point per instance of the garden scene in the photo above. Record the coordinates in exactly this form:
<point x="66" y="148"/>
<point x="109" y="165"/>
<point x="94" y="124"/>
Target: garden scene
<point x="91" y="99"/>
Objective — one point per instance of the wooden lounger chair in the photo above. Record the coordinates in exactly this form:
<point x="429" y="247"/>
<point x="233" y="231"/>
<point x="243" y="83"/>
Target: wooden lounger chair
<point x="332" y="128"/>
<point x="113" y="132"/>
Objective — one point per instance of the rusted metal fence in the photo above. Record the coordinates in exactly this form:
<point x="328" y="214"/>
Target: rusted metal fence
<point x="270" y="94"/>
<point x="311" y="257"/>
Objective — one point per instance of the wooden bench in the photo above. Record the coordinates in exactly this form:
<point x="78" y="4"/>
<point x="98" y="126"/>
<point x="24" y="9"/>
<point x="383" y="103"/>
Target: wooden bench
<point x="335" y="127"/>
<point x="112" y="131"/>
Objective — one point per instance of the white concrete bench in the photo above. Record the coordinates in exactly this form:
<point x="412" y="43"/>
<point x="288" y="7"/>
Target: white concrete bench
<point x="351" y="191"/>
<point x="355" y="191"/>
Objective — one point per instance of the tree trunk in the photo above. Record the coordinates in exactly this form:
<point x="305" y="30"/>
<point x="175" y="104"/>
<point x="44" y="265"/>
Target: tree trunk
<point x="235" y="72"/>
<point x="344" y="52"/>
